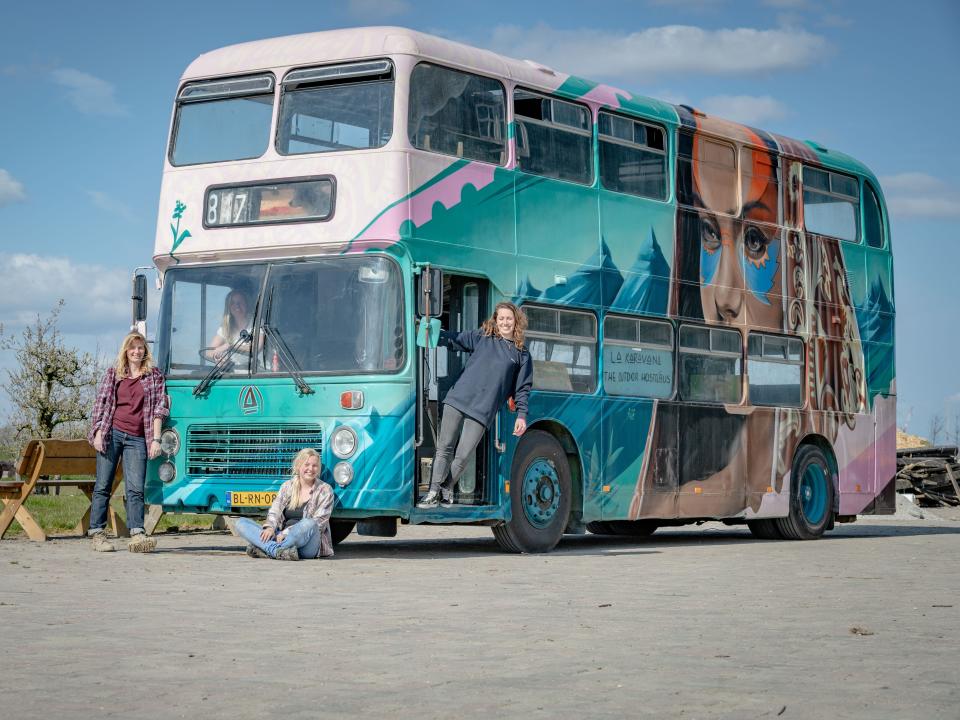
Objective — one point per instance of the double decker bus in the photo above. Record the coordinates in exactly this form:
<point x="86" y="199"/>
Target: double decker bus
<point x="711" y="309"/>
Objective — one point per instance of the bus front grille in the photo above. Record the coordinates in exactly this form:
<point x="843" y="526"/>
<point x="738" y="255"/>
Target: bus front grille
<point x="245" y="449"/>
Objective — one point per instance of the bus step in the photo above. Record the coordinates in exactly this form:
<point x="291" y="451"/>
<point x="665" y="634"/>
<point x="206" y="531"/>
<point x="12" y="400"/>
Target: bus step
<point x="378" y="527"/>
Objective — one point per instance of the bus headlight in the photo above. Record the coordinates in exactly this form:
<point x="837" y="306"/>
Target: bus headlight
<point x="343" y="442"/>
<point x="342" y="473"/>
<point x="169" y="442"/>
<point x="167" y="471"/>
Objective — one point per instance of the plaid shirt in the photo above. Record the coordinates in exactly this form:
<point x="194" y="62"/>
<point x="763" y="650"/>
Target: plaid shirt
<point x="318" y="507"/>
<point x="154" y="403"/>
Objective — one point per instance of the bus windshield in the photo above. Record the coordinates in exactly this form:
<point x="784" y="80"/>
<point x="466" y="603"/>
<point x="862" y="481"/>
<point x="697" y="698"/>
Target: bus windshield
<point x="335" y="316"/>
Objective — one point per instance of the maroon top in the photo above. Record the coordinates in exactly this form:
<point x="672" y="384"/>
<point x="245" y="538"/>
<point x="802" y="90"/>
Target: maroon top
<point x="129" y="414"/>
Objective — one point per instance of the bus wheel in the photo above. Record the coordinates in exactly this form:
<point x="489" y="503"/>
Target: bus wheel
<point x="540" y="496"/>
<point x="339" y="529"/>
<point x="628" y="528"/>
<point x="765" y="529"/>
<point x="811" y="496"/>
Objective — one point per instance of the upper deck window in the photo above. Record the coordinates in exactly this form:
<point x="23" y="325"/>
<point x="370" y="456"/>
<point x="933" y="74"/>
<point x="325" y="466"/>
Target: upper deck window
<point x="457" y="113"/>
<point x="219" y="120"/>
<point x="831" y="203"/>
<point x="633" y="157"/>
<point x="336" y="107"/>
<point x="553" y="137"/>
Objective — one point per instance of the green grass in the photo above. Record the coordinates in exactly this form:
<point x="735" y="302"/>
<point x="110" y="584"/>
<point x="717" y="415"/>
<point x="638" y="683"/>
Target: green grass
<point x="59" y="514"/>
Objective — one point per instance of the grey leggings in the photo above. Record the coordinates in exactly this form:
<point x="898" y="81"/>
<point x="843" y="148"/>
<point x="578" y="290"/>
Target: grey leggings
<point x="450" y="428"/>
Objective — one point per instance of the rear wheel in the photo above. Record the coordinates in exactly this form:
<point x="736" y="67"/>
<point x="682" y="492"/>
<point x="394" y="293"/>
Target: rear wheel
<point x="765" y="529"/>
<point x="811" y="496"/>
<point x="540" y="496"/>
<point x="339" y="529"/>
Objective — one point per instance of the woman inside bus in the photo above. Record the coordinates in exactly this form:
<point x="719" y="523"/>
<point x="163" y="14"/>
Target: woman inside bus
<point x="126" y="420"/>
<point x="237" y="316"/>
<point x="298" y="523"/>
<point x="499" y="367"/>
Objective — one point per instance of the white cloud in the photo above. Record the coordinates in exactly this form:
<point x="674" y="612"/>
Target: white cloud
<point x="916" y="194"/>
<point x="11" y="189"/>
<point x="111" y="205"/>
<point x="746" y="109"/>
<point x="97" y="297"/>
<point x="376" y="10"/>
<point x="661" y="50"/>
<point x="89" y="94"/>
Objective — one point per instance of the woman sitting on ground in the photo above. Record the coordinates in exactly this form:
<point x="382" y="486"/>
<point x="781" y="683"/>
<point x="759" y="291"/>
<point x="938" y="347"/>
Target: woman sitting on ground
<point x="298" y="523"/>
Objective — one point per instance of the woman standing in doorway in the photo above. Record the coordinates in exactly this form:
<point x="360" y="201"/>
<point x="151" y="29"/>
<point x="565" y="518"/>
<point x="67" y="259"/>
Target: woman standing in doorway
<point x="127" y="415"/>
<point x="499" y="367"/>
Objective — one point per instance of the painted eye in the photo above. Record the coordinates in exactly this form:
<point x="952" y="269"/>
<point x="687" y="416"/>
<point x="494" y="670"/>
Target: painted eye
<point x="755" y="243"/>
<point x="709" y="235"/>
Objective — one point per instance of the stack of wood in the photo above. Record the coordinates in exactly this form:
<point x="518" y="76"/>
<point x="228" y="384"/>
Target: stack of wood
<point x="931" y="474"/>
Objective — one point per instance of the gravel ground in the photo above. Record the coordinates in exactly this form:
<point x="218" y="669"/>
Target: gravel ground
<point x="437" y="623"/>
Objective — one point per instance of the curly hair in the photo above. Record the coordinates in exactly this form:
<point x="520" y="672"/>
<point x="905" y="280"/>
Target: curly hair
<point x="520" y="323"/>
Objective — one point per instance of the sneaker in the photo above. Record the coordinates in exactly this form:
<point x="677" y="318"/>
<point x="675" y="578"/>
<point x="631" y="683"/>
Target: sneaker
<point x="100" y="543"/>
<point x="446" y="498"/>
<point x="141" y="543"/>
<point x="290" y="553"/>
<point x="255" y="552"/>
<point x="430" y="500"/>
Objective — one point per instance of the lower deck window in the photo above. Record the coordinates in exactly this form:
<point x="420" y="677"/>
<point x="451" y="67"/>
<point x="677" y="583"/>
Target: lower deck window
<point x="562" y="344"/>
<point x="775" y="370"/>
<point x="711" y="367"/>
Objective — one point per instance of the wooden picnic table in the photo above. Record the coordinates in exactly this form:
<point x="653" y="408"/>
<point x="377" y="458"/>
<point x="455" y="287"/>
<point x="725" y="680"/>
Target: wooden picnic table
<point x="43" y="458"/>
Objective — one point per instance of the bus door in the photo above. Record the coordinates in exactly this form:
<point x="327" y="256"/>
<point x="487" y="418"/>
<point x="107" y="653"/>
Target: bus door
<point x="464" y="308"/>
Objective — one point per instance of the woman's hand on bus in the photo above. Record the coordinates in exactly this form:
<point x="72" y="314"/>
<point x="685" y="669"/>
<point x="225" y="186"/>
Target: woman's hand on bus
<point x="519" y="427"/>
<point x="267" y="534"/>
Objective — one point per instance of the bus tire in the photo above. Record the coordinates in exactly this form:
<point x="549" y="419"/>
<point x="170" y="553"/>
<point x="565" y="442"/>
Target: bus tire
<point x="765" y="529"/>
<point x="540" y="496"/>
<point x="623" y="528"/>
<point x="339" y="529"/>
<point x="811" y="496"/>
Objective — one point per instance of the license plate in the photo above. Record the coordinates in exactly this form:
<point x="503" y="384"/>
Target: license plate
<point x="250" y="499"/>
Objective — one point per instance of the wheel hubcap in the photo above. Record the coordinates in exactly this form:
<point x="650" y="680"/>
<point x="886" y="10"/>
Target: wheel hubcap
<point x="541" y="492"/>
<point x="813" y="494"/>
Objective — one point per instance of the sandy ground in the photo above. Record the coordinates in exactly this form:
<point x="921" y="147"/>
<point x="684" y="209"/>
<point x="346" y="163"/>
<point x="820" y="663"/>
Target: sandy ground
<point x="437" y="623"/>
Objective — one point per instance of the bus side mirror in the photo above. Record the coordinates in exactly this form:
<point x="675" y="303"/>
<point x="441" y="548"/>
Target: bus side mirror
<point x="139" y="298"/>
<point x="430" y="292"/>
<point x="428" y="333"/>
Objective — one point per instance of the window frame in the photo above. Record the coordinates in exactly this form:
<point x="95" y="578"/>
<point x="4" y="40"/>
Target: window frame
<point x="709" y="353"/>
<point x="583" y="339"/>
<point x="506" y="110"/>
<point x="665" y="153"/>
<point x="802" y="364"/>
<point x="587" y="133"/>
<point x="858" y="200"/>
<point x="868" y="187"/>
<point x="672" y="348"/>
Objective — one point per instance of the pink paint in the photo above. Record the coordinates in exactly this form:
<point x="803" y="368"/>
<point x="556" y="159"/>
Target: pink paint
<point x="606" y="95"/>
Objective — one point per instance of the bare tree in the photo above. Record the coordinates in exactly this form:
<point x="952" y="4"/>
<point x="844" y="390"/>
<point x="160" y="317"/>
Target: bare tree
<point x="52" y="386"/>
<point x="955" y="433"/>
<point x="937" y="426"/>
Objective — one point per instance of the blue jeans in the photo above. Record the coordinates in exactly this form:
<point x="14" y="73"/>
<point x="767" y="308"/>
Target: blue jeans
<point x="133" y="450"/>
<point x="304" y="536"/>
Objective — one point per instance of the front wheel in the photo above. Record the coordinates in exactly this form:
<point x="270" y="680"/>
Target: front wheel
<point x="811" y="496"/>
<point x="339" y="529"/>
<point x="540" y="496"/>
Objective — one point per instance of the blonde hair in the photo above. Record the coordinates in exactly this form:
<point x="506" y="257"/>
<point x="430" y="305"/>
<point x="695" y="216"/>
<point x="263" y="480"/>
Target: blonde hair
<point x="489" y="326"/>
<point x="298" y="461"/>
<point x="231" y="333"/>
<point x="122" y="366"/>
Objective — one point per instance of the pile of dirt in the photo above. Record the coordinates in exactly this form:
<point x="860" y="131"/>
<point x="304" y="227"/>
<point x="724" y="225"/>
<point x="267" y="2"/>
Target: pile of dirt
<point x="905" y="440"/>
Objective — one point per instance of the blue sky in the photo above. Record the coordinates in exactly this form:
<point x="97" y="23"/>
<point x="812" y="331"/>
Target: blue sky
<point x="87" y="90"/>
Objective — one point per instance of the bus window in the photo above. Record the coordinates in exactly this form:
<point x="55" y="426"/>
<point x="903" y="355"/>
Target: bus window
<point x="336" y="107"/>
<point x="219" y="120"/>
<point x="830" y="203"/>
<point x="562" y="344"/>
<point x="553" y="137"/>
<point x="873" y="218"/>
<point x="457" y="113"/>
<point x="633" y="157"/>
<point x="710" y="364"/>
<point x="637" y="357"/>
<point x="775" y="370"/>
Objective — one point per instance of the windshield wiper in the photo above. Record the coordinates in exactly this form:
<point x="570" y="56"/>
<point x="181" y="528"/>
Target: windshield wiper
<point x="222" y="364"/>
<point x="286" y="359"/>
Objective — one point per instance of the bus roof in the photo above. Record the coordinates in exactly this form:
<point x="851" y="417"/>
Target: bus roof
<point x="355" y="43"/>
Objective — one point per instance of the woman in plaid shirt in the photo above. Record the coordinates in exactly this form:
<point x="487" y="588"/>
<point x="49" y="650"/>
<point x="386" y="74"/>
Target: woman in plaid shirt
<point x="127" y="414"/>
<point x="298" y="523"/>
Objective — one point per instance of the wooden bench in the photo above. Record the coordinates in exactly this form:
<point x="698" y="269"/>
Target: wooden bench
<point x="53" y="457"/>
